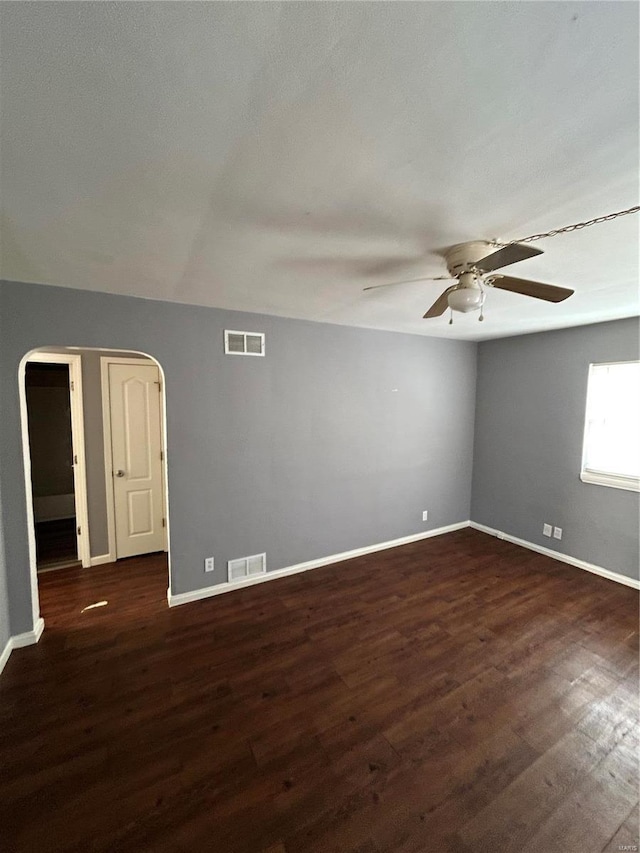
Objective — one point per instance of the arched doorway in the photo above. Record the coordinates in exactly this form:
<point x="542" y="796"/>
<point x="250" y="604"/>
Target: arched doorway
<point x="94" y="436"/>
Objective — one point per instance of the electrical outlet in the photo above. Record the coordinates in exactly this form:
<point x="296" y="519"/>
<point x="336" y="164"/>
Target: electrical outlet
<point x="425" y="515"/>
<point x="208" y="564"/>
<point x="557" y="533"/>
<point x="546" y="529"/>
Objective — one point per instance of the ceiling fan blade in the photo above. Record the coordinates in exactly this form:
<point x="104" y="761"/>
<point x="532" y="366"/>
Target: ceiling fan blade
<point x="504" y="257"/>
<point x="408" y="281"/>
<point x="363" y="266"/>
<point x="441" y="304"/>
<point x="548" y="292"/>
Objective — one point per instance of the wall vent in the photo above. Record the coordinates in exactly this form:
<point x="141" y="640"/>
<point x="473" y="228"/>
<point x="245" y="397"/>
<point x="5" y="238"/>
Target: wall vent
<point x="247" y="567"/>
<point x="243" y="343"/>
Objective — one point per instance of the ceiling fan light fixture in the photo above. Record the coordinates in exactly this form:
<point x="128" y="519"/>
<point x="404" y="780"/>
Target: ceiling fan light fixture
<point x="465" y="299"/>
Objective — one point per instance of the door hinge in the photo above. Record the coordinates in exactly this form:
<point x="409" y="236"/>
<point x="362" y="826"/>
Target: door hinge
<point x="79" y="531"/>
<point x="159" y="384"/>
<point x="164" y="522"/>
<point x="72" y="385"/>
<point x="162" y="455"/>
<point x="75" y="459"/>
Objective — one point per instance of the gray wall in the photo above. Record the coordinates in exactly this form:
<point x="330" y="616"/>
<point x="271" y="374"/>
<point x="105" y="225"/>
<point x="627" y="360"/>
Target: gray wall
<point x="531" y="398"/>
<point x="338" y="439"/>
<point x="94" y="453"/>
<point x="5" y="633"/>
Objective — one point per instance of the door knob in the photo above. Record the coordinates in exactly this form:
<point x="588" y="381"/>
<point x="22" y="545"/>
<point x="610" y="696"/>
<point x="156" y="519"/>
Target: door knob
<point x="119" y="473"/>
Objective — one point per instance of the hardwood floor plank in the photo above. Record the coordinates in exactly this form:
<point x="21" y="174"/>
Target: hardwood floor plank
<point x="628" y="835"/>
<point x="590" y="816"/>
<point x="516" y="814"/>
<point x="456" y="694"/>
<point x="543" y="727"/>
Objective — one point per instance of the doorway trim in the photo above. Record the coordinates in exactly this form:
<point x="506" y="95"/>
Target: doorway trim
<point x="74" y="363"/>
<point x="105" y="361"/>
<point x="53" y="351"/>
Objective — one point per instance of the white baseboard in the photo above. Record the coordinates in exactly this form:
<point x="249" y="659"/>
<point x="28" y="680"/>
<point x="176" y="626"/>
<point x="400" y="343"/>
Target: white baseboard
<point x="101" y="559"/>
<point x="29" y="638"/>
<point x="18" y="641"/>
<point x="557" y="555"/>
<point x="219" y="589"/>
<point x="4" y="657"/>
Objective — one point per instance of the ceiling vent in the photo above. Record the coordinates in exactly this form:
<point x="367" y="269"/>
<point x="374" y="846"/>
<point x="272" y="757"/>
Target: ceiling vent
<point x="247" y="567"/>
<point x="243" y="343"/>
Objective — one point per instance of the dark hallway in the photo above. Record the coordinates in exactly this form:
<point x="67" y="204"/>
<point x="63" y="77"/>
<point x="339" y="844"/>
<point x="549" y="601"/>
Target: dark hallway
<point x="50" y="445"/>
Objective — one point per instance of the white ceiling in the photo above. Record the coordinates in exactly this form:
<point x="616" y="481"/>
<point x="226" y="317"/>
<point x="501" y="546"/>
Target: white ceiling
<point x="275" y="157"/>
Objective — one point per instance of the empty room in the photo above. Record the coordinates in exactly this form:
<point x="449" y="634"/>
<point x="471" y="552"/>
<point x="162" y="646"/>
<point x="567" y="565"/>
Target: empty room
<point x="319" y="419"/>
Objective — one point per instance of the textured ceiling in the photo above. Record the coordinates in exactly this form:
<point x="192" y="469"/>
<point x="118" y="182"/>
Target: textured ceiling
<point x="280" y="157"/>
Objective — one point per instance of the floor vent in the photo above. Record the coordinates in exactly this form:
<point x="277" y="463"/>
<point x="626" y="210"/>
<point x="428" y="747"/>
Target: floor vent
<point x="243" y="343"/>
<point x="247" y="567"/>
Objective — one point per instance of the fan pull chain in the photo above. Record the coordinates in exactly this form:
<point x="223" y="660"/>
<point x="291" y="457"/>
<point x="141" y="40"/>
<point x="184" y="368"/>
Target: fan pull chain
<point x="577" y="226"/>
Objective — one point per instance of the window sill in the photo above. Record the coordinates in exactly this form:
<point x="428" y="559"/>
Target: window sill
<point x="613" y="481"/>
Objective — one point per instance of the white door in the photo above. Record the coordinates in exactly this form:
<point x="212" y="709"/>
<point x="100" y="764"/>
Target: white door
<point x="136" y="445"/>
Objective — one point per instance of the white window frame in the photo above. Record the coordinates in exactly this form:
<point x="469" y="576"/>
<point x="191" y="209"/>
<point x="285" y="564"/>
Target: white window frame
<point x="603" y="478"/>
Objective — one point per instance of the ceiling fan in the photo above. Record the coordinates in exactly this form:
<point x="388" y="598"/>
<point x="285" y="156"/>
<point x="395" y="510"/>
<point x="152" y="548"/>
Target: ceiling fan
<point x="472" y="265"/>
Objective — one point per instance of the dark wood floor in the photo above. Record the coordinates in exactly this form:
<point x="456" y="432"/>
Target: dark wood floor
<point x="456" y="694"/>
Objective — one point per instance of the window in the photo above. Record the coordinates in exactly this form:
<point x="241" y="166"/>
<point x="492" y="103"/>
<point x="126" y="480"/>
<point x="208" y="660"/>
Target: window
<point x="611" y="452"/>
